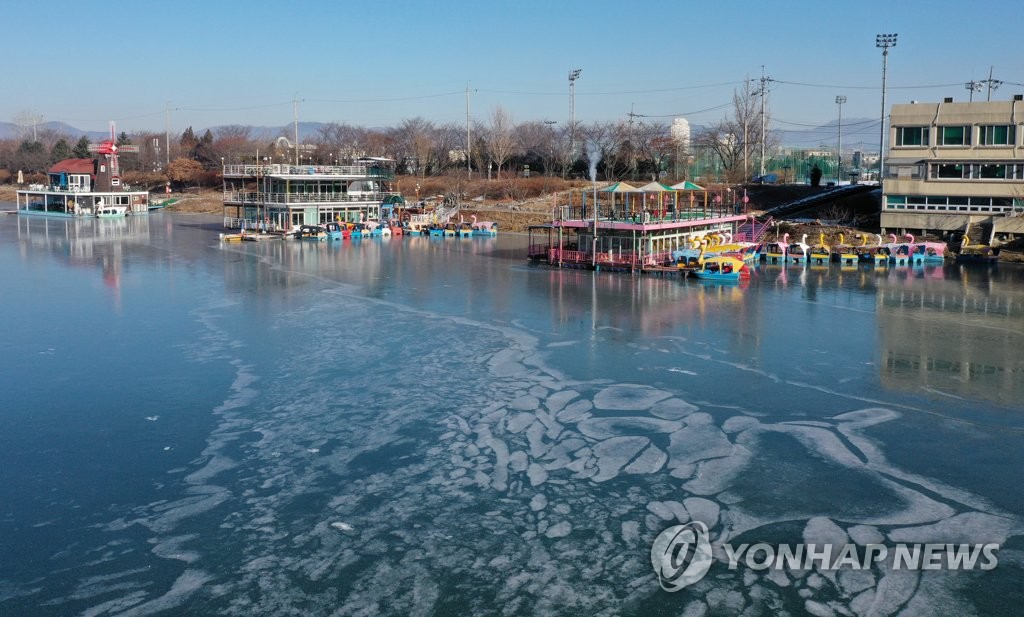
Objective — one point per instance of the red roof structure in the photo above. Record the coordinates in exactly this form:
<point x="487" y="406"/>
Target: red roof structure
<point x="73" y="166"/>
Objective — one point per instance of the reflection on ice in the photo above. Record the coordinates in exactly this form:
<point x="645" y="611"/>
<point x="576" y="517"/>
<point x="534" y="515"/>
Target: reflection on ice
<point x="484" y="482"/>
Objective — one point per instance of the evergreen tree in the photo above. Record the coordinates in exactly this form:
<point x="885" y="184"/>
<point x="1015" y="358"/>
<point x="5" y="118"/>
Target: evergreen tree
<point x="206" y="155"/>
<point x="60" y="151"/>
<point x="123" y="140"/>
<point x="188" y="140"/>
<point x="81" y="149"/>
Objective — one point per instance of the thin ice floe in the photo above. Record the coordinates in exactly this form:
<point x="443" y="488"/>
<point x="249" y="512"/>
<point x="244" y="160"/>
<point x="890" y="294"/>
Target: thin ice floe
<point x="487" y="480"/>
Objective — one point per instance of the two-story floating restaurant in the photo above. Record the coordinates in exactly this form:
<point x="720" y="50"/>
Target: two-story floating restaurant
<point x="282" y="196"/>
<point x="84" y="187"/>
<point x="636" y="228"/>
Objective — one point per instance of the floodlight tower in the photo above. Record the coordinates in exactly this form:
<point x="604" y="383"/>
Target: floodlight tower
<point x="883" y="42"/>
<point x="573" y="76"/>
<point x="839" y="146"/>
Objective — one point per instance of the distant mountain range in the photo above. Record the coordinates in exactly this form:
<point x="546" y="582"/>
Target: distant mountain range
<point x="858" y="133"/>
<point x="9" y="130"/>
<point x="855" y="131"/>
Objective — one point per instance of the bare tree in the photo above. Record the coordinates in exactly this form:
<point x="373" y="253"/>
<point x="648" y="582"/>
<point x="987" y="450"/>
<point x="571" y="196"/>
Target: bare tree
<point x="735" y="141"/>
<point x="500" y="140"/>
<point x="449" y="147"/>
<point x="415" y="137"/>
<point x="234" y="142"/>
<point x="344" y="141"/>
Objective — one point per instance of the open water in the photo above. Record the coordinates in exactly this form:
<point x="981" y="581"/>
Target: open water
<point x="435" y="427"/>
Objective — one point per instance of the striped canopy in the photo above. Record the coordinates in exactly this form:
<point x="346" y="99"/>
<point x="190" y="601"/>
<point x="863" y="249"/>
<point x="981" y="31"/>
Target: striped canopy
<point x="619" y="187"/>
<point x="656" y="187"/>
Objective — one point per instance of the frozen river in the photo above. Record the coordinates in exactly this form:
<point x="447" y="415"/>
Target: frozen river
<point x="435" y="427"/>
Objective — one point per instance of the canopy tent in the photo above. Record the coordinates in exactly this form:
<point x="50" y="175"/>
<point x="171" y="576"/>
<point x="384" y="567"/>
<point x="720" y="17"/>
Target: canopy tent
<point x="657" y="202"/>
<point x="656" y="187"/>
<point x="687" y="186"/>
<point x="619" y="187"/>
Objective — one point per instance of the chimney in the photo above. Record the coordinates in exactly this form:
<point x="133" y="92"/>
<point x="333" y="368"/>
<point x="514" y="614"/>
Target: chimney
<point x="948" y="99"/>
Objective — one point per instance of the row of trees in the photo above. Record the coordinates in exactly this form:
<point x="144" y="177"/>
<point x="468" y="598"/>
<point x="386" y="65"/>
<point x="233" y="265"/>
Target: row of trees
<point x="637" y="149"/>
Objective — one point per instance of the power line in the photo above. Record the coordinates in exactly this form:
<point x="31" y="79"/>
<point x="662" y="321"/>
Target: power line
<point x="917" y="87"/>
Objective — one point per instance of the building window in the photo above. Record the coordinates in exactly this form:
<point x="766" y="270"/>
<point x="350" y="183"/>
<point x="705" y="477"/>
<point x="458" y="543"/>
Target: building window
<point x="953" y="136"/>
<point x="949" y="170"/>
<point x="995" y="135"/>
<point x="911" y="136"/>
<point x="993" y="171"/>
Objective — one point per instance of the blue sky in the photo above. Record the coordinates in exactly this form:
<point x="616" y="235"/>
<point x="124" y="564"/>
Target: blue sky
<point x="377" y="63"/>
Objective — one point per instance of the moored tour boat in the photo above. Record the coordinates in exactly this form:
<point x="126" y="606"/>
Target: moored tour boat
<point x="726" y="269"/>
<point x="922" y="253"/>
<point x="798" y="251"/>
<point x="484" y="228"/>
<point x="337" y="231"/>
<point x="111" y="212"/>
<point x="85" y="187"/>
<point x="845" y="253"/>
<point x="775" y="252"/>
<point x="899" y="252"/>
<point x="820" y="253"/>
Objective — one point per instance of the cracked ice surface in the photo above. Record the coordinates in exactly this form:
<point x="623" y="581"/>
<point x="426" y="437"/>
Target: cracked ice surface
<point x="485" y="482"/>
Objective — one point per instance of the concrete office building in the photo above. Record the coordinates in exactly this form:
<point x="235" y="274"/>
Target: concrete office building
<point x="955" y="168"/>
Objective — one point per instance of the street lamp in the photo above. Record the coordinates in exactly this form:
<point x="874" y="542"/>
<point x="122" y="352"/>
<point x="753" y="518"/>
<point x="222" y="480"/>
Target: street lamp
<point x="839" y="146"/>
<point x="573" y="76"/>
<point x="883" y="42"/>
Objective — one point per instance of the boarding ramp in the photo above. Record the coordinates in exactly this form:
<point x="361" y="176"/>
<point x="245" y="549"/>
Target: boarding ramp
<point x="817" y="200"/>
<point x="753" y="231"/>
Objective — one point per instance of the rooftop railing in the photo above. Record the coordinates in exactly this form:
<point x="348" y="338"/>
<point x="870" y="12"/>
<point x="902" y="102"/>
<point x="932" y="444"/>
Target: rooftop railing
<point x="285" y="169"/>
<point x="261" y="198"/>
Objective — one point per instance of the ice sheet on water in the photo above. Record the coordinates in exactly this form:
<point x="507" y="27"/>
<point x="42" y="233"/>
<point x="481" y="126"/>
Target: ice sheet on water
<point x="821" y="530"/>
<point x="559" y="530"/>
<point x="388" y="499"/>
<point x="575" y="411"/>
<point x="650" y="461"/>
<point x="967" y="528"/>
<point x="890" y="594"/>
<point x="526" y="402"/>
<point x="865" y="534"/>
<point x="557" y="401"/>
<point x="187" y="584"/>
<point x="615" y="453"/>
<point x="605" y="428"/>
<point x="629" y="397"/>
<point x="703" y="510"/>
<point x="537" y="474"/>
<point x="171" y="548"/>
<point x="700" y="439"/>
<point x="672" y="409"/>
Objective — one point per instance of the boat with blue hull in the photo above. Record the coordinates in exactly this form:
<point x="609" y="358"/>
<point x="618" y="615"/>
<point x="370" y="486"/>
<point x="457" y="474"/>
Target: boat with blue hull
<point x="722" y="269"/>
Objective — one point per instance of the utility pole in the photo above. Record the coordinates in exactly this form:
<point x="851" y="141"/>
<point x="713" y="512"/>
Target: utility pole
<point x="632" y="148"/>
<point x="991" y="83"/>
<point x="295" y="120"/>
<point x="839" y="146"/>
<point x="973" y="86"/>
<point x="573" y="76"/>
<point x="762" y="90"/>
<point x="167" y="129"/>
<point x="469" y="143"/>
<point x="884" y="42"/>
